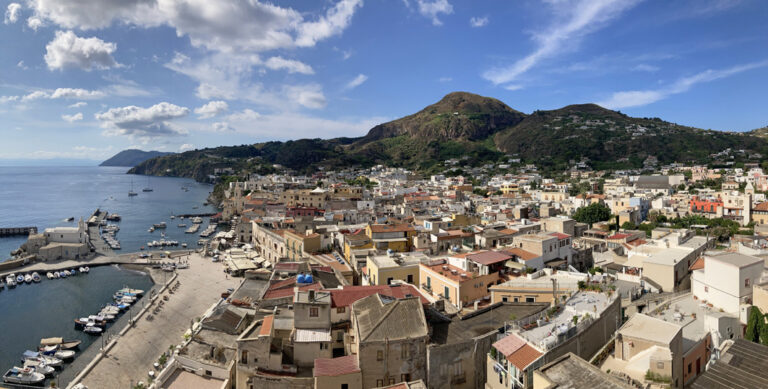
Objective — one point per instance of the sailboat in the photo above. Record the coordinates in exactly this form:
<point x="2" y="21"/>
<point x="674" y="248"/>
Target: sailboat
<point x="131" y="193"/>
<point x="148" y="188"/>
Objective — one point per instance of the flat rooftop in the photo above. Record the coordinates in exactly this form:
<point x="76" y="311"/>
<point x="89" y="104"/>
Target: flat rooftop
<point x="182" y="379"/>
<point x="581" y="303"/>
<point x="680" y="312"/>
<point x="386" y="261"/>
<point x="489" y="319"/>
<point x="642" y="326"/>
<point x="572" y="372"/>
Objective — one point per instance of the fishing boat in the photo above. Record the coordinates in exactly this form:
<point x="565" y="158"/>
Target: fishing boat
<point x="63" y="344"/>
<point x="151" y="229"/>
<point x="36" y="356"/>
<point x="160" y="225"/>
<point x="55" y="352"/>
<point x="65" y="273"/>
<point x="113" y="217"/>
<point x="23" y="376"/>
<point x="70" y="219"/>
<point x="20" y="279"/>
<point x="135" y="292"/>
<point x="92" y="330"/>
<point x="40" y="367"/>
<point x="87" y="269"/>
<point x="28" y="278"/>
<point x="56" y="275"/>
<point x="36" y="277"/>
<point x="10" y="281"/>
<point x="49" y="275"/>
<point x="184" y="245"/>
<point x="73" y="272"/>
<point x="182" y="225"/>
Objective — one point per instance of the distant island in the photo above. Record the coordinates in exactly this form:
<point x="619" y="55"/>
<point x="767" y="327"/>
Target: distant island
<point x="132" y="157"/>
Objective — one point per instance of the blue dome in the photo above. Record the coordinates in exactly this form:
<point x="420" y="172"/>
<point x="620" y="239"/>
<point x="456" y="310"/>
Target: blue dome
<point x="301" y="279"/>
<point x="308" y="279"/>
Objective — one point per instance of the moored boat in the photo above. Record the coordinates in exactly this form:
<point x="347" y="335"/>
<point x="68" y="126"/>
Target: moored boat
<point x="10" y="281"/>
<point x="20" y="279"/>
<point x="36" y="356"/>
<point x="92" y="330"/>
<point x="36" y="277"/>
<point x="39" y="367"/>
<point x="63" y="344"/>
<point x="56" y="275"/>
<point x="28" y="278"/>
<point x="56" y="352"/>
<point x="23" y="376"/>
<point x="49" y="275"/>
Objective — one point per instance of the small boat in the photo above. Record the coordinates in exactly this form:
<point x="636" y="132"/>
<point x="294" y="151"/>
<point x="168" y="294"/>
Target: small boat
<point x="49" y="275"/>
<point x="36" y="277"/>
<point x="39" y="367"/>
<point x="151" y="229"/>
<point x="81" y="269"/>
<point x="63" y="344"/>
<point x="36" y="356"/>
<point x="10" y="281"/>
<point x="92" y="330"/>
<point x="132" y="193"/>
<point x="134" y="292"/>
<point x="73" y="272"/>
<point x="184" y="245"/>
<point x="23" y="376"/>
<point x="182" y="225"/>
<point x="70" y="219"/>
<point x="160" y="225"/>
<point x="87" y="322"/>
<point x="56" y="275"/>
<point x="20" y="279"/>
<point x="55" y="352"/>
<point x="173" y="217"/>
<point x="113" y="217"/>
<point x="87" y="269"/>
<point x="65" y="273"/>
<point x="28" y="278"/>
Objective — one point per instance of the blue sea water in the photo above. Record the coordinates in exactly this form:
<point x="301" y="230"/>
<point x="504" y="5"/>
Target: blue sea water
<point x="45" y="196"/>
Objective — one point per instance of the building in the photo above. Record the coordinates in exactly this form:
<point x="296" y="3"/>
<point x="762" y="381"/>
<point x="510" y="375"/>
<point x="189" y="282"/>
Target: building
<point x="384" y="269"/>
<point x="441" y="279"/>
<point x="726" y="281"/>
<point x="395" y="237"/>
<point x="335" y="373"/>
<point x="511" y="363"/>
<point x="60" y="243"/>
<point x="389" y="350"/>
<point x="570" y="371"/>
<point x="541" y="286"/>
<point x="742" y="364"/>
<point x="299" y="245"/>
<point x="648" y="345"/>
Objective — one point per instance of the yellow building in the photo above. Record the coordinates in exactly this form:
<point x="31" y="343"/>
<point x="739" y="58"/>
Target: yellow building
<point x="297" y="245"/>
<point x="383" y="269"/>
<point x="460" y="287"/>
<point x="395" y="237"/>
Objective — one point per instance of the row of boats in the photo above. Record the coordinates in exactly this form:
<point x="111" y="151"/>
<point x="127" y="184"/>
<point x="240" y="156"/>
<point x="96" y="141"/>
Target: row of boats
<point x="108" y="234"/>
<point x="67" y="273"/>
<point x="122" y="300"/>
<point x="12" y="280"/>
<point x="36" y="366"/>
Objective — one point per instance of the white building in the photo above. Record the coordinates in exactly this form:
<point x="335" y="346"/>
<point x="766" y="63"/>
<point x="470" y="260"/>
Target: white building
<point x="726" y="281"/>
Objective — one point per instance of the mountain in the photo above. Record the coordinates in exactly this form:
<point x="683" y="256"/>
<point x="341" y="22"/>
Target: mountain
<point x="477" y="130"/>
<point x="131" y="157"/>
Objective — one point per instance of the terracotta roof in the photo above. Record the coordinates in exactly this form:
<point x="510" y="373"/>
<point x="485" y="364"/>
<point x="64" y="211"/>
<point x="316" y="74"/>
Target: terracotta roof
<point x="560" y="235"/>
<point x="509" y="344"/>
<point x="522" y="254"/>
<point x="761" y="207"/>
<point x="349" y="294"/>
<point x="524" y="356"/>
<point x="284" y="288"/>
<point x="489" y="257"/>
<point x="698" y="264"/>
<point x="266" y="325"/>
<point x="619" y="236"/>
<point x="325" y="367"/>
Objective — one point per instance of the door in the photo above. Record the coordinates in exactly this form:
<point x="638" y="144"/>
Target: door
<point x="698" y="366"/>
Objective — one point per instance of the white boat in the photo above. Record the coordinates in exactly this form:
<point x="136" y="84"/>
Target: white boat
<point x="56" y="275"/>
<point x="182" y="266"/>
<point x="151" y="229"/>
<point x="49" y="275"/>
<point x="20" y="279"/>
<point x="36" y="356"/>
<point x="65" y="273"/>
<point x="197" y="220"/>
<point x="92" y="330"/>
<point x="131" y="193"/>
<point x="86" y="269"/>
<point x="39" y="367"/>
<point x="10" y="281"/>
<point x="184" y="245"/>
<point x="23" y="376"/>
<point x="56" y="352"/>
<point x="36" y="277"/>
<point x="28" y="278"/>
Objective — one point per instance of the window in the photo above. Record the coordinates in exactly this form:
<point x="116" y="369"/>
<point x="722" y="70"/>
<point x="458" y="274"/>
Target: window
<point x="404" y="352"/>
<point x="313" y="312"/>
<point x="208" y="372"/>
<point x="244" y="357"/>
<point x="689" y="368"/>
<point x="405" y="377"/>
<point x="379" y="382"/>
<point x="706" y="289"/>
<point x="323" y="346"/>
<point x="341" y="309"/>
<point x="379" y="355"/>
<point x="746" y="282"/>
<point x="391" y="381"/>
<point x="504" y="299"/>
<point x="659" y="365"/>
<point x="530" y="299"/>
<point x="410" y="278"/>
<point x="344" y="386"/>
<point x="429" y="283"/>
<point x="447" y="293"/>
<point x="516" y="299"/>
<point x="389" y="280"/>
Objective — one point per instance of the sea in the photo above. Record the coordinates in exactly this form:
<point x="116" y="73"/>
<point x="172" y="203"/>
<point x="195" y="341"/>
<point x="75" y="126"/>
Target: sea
<point x="45" y="197"/>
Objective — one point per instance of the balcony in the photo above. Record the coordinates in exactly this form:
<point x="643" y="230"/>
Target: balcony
<point x="459" y="379"/>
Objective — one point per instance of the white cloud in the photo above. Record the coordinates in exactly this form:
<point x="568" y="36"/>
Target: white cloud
<point x="284" y="126"/>
<point x="145" y="123"/>
<point x="222" y="127"/>
<point x="35" y="95"/>
<point x="211" y="109"/>
<point x="186" y="147"/>
<point x="513" y="87"/>
<point x="76" y="93"/>
<point x="357" y="81"/>
<point x="219" y="76"/>
<point x="85" y="152"/>
<point x="78" y="104"/>
<point x="73" y="118"/>
<point x="645" y="68"/>
<point x="476" y="21"/>
<point x="67" y="50"/>
<point x="431" y="9"/>
<point x="34" y="22"/>
<point x="636" y="98"/>
<point x="310" y="96"/>
<point x="573" y="20"/>
<point x="21" y="65"/>
<point x="6" y="99"/>
<point x="445" y="79"/>
<point x="292" y="66"/>
<point x="12" y="13"/>
<point x="244" y="116"/>
<point x="222" y="25"/>
<point x="332" y="23"/>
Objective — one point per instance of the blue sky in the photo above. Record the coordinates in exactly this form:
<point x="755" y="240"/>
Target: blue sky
<point x="84" y="79"/>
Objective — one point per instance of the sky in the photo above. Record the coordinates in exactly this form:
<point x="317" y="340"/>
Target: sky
<point x="84" y="79"/>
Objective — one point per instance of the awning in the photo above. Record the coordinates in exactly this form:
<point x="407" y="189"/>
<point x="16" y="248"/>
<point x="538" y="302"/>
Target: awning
<point x="556" y="263"/>
<point x="514" y="265"/>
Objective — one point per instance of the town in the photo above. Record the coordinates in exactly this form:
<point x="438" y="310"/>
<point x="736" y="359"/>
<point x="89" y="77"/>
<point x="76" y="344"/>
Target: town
<point x="378" y="278"/>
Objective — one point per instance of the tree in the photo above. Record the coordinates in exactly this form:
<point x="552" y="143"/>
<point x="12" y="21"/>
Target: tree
<point x="628" y="226"/>
<point x="753" y="325"/>
<point x="763" y="330"/>
<point x="592" y="213"/>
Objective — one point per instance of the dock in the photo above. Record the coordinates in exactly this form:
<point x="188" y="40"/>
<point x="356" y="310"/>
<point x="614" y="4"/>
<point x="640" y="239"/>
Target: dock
<point x="11" y="231"/>
<point x="191" y="215"/>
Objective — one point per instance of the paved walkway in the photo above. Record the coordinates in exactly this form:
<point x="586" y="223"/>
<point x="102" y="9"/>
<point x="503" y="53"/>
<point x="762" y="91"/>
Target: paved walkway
<point x="132" y="357"/>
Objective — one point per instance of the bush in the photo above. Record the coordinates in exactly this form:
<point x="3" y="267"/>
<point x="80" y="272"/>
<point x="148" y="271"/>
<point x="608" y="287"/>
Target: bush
<point x="593" y="213"/>
<point x="651" y="376"/>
